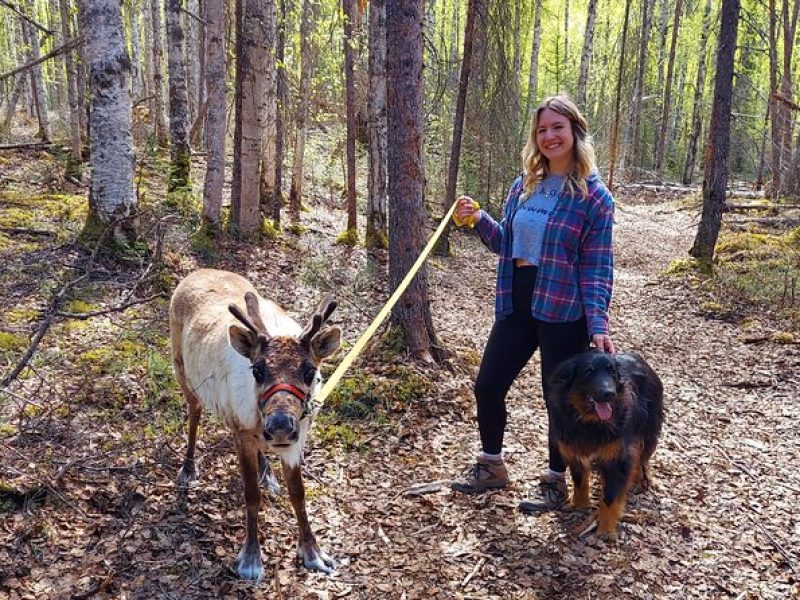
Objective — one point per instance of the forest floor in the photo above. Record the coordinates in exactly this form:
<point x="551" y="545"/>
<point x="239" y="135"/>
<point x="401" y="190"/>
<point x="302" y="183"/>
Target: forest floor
<point x="91" y="435"/>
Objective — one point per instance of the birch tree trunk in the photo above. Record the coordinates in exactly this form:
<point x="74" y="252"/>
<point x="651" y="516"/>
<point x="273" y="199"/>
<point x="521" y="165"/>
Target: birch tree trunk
<point x="586" y="53"/>
<point x="75" y="158"/>
<point x="662" y="137"/>
<point x="618" y="97"/>
<point x="789" y="47"/>
<point x="715" y="180"/>
<point x="37" y="82"/>
<point x="533" y="75"/>
<point x="350" y="102"/>
<point x="274" y="203"/>
<point x="700" y="82"/>
<point x="132" y="14"/>
<point x="216" y="124"/>
<point x="111" y="196"/>
<point x="270" y="114"/>
<point x="180" y="154"/>
<point x="633" y="137"/>
<point x="376" y="235"/>
<point x="301" y="126"/>
<point x="257" y="25"/>
<point x="406" y="173"/>
<point x="159" y="122"/>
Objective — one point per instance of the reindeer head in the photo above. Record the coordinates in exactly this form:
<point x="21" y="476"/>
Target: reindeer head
<point x="286" y="369"/>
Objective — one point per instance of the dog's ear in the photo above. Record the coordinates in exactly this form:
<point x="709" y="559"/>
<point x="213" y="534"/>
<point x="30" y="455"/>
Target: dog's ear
<point x="565" y="373"/>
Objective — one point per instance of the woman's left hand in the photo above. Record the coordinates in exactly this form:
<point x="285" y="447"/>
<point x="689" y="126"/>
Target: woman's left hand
<point x="603" y="342"/>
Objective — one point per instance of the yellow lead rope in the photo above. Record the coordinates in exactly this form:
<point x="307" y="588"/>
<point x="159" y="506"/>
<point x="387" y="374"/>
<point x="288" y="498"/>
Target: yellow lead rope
<point x="381" y="317"/>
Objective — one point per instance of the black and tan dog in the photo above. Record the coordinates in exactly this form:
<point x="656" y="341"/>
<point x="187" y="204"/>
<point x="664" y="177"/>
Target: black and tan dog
<point x="606" y="411"/>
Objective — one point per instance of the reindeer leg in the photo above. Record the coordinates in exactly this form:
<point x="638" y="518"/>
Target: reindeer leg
<point x="248" y="563"/>
<point x="189" y="474"/>
<point x="266" y="477"/>
<point x="307" y="549"/>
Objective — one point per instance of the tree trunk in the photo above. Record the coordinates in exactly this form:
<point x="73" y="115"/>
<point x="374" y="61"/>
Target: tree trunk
<point x="180" y="154"/>
<point x="111" y="196"/>
<point x="406" y="172"/>
<point x="376" y="210"/>
<point x="13" y="101"/>
<point x="75" y="158"/>
<point x="216" y="124"/>
<point x="787" y="129"/>
<point x="149" y="86"/>
<point x="132" y="14"/>
<point x="258" y="23"/>
<point x="662" y="137"/>
<point x="458" y="120"/>
<point x="159" y="123"/>
<point x="700" y="82"/>
<point x="303" y="101"/>
<point x="37" y="82"/>
<point x="350" y="102"/>
<point x="533" y="75"/>
<point x="81" y="78"/>
<point x="586" y="53"/>
<point x="716" y="173"/>
<point x="276" y="201"/>
<point x="633" y="138"/>
<point x="618" y="98"/>
<point x="267" y="184"/>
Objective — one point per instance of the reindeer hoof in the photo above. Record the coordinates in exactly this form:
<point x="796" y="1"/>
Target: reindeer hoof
<point x="249" y="566"/>
<point x="316" y="560"/>
<point x="188" y="475"/>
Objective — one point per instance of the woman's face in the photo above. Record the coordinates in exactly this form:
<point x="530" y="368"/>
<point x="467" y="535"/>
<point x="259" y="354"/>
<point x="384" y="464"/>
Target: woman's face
<point x="555" y="140"/>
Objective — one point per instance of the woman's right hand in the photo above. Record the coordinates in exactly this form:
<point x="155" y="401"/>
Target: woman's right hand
<point x="468" y="212"/>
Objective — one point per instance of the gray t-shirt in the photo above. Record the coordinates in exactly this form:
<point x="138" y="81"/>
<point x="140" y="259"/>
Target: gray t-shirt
<point x="531" y="219"/>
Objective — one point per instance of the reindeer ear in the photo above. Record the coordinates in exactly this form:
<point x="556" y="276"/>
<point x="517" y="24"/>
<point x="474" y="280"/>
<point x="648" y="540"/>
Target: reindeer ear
<point x="245" y="342"/>
<point x="325" y="343"/>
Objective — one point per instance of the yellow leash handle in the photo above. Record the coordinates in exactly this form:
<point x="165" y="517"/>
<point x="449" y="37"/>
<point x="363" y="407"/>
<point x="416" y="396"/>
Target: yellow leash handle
<point x="331" y="383"/>
<point x="471" y="221"/>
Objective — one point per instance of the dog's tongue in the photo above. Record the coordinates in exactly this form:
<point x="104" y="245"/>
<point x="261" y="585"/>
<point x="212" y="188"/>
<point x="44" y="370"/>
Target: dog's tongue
<point x="603" y="410"/>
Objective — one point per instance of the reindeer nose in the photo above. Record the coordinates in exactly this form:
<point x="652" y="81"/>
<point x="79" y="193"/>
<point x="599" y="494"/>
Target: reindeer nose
<point x="281" y="428"/>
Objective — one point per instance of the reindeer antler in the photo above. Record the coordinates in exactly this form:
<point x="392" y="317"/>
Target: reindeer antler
<point x="323" y="312"/>
<point x="253" y="311"/>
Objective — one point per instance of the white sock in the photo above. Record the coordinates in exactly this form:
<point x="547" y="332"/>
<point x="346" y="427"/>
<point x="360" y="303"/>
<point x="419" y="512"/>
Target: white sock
<point x="492" y="457"/>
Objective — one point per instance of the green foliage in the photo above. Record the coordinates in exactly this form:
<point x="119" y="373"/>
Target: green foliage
<point x="204" y="242"/>
<point x="10" y="342"/>
<point x="270" y="230"/>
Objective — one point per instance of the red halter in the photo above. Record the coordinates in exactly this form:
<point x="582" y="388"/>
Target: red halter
<point x="283" y="387"/>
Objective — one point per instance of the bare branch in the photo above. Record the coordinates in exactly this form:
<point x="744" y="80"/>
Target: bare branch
<point x="73" y="43"/>
<point x="22" y="15"/>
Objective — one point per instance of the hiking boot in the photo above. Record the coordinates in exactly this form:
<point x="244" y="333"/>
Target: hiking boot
<point x="483" y="475"/>
<point x="550" y="495"/>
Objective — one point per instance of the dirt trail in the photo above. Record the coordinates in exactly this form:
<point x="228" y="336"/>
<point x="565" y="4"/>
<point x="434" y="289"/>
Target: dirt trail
<point x="721" y="523"/>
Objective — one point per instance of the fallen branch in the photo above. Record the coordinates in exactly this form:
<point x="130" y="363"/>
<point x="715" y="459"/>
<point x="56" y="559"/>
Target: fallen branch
<point x="474" y="571"/>
<point x="27" y="146"/>
<point x="22" y="15"/>
<point x="118" y="308"/>
<point x="26" y="231"/>
<point x="53" y="308"/>
<point x="777" y="546"/>
<point x="73" y="43"/>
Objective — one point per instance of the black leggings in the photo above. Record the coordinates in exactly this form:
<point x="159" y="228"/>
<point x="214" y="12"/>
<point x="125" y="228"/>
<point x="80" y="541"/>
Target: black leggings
<point x="511" y="344"/>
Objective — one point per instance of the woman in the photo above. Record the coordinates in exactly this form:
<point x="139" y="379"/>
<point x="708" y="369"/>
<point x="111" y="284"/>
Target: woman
<point x="554" y="282"/>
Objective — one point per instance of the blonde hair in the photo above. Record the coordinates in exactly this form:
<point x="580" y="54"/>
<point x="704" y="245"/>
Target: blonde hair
<point x="537" y="166"/>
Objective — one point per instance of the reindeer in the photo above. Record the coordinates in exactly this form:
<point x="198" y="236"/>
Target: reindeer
<point x="260" y="380"/>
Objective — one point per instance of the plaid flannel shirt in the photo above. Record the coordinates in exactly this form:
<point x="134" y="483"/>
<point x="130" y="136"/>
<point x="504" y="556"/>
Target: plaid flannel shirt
<point x="576" y="269"/>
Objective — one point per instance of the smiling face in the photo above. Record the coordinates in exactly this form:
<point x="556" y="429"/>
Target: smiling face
<point x="555" y="140"/>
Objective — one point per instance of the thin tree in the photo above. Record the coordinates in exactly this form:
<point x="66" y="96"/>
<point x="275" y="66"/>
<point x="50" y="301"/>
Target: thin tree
<point x="406" y="173"/>
<point x="633" y="137"/>
<point x="618" y="98"/>
<point x="533" y="73"/>
<point x="586" y="52"/>
<point x="253" y="46"/>
<point x="216" y="125"/>
<point x="350" y="103"/>
<point x="159" y="122"/>
<point x="269" y="141"/>
<point x="661" y="138"/>
<point x="715" y="180"/>
<point x="111" y="196"/>
<point x="700" y="82"/>
<point x="301" y="119"/>
<point x="274" y="204"/>
<point x="39" y="95"/>
<point x="458" y="119"/>
<point x="75" y="157"/>
<point x="376" y="179"/>
<point x="180" y="154"/>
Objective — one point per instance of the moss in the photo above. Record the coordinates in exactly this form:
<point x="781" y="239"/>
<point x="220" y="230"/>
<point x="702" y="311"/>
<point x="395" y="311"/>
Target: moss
<point x="712" y="308"/>
<point x="183" y="200"/>
<point x="376" y="239"/>
<point x="270" y="230"/>
<point x="204" y="242"/>
<point x="348" y="237"/>
<point x="681" y="266"/>
<point x="22" y="315"/>
<point x="179" y="171"/>
<point x="330" y="432"/>
<point x="7" y="430"/>
<point x="79" y="306"/>
<point x="792" y="238"/>
<point x="5" y="241"/>
<point x="297" y="229"/>
<point x="10" y="342"/>
<point x="16" y="217"/>
<point x="783" y="337"/>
